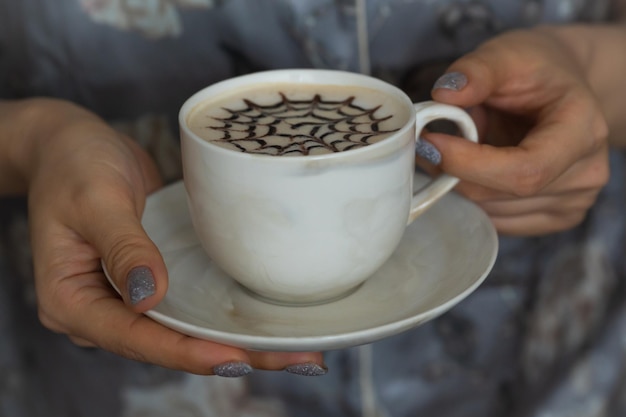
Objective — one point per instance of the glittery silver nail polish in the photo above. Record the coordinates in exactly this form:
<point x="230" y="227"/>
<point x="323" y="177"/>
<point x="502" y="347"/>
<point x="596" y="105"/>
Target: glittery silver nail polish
<point x="140" y="284"/>
<point x="306" y="369"/>
<point x="427" y="150"/>
<point x="451" y="81"/>
<point x="232" y="369"/>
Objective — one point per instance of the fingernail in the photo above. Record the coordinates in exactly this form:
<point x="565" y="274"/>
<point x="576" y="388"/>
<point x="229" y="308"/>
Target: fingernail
<point x="307" y="369"/>
<point x="451" y="81"/>
<point x="428" y="151"/>
<point x="140" y="284"/>
<point x="232" y="369"/>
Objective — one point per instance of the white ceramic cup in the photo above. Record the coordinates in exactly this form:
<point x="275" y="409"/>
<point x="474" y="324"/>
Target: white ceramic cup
<point x="308" y="229"/>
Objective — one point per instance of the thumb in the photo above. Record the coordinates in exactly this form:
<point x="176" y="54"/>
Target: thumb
<point x="468" y="82"/>
<point x="508" y="72"/>
<point x="131" y="259"/>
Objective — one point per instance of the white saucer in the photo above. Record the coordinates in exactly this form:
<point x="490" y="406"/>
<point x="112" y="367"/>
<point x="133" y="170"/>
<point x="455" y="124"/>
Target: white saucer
<point x="444" y="256"/>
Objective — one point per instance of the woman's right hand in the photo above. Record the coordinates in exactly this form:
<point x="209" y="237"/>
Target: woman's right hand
<point x="87" y="185"/>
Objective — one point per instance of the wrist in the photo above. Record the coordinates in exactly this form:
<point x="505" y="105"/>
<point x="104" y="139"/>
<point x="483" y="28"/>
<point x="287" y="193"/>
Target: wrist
<point x="16" y="143"/>
<point x="597" y="52"/>
<point x="30" y="130"/>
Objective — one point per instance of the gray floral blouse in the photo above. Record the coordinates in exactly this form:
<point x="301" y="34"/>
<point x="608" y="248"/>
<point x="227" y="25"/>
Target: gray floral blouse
<point x="544" y="336"/>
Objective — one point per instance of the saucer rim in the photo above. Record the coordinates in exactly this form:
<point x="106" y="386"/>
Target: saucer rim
<point x="318" y="342"/>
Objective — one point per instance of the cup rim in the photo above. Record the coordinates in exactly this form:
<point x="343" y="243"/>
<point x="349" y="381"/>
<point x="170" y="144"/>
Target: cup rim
<point x="296" y="75"/>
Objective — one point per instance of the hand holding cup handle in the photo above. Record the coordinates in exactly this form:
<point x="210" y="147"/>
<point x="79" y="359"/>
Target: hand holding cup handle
<point x="427" y="112"/>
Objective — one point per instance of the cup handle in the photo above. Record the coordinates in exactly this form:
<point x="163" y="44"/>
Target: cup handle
<point x="436" y="188"/>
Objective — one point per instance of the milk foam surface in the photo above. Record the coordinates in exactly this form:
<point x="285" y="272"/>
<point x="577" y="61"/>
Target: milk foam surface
<point x="297" y="119"/>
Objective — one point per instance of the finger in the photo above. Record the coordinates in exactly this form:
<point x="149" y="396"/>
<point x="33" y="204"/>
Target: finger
<point x="100" y="209"/>
<point x="536" y="224"/>
<point x="549" y="92"/>
<point x="84" y="343"/>
<point x="509" y="72"/>
<point x="467" y="83"/>
<point x="132" y="260"/>
<point x="151" y="177"/>
<point x="587" y="177"/>
<point x="96" y="315"/>
<point x="103" y="320"/>
<point x="150" y="266"/>
<point x="301" y="363"/>
<point x="522" y="170"/>
<point x="578" y="202"/>
<point x="427" y="167"/>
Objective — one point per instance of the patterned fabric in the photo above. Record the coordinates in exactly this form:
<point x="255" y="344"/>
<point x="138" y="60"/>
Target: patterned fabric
<point x="543" y="336"/>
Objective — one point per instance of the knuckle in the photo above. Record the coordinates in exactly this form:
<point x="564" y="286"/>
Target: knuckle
<point x="572" y="213"/>
<point x="132" y="354"/>
<point x="597" y="125"/>
<point x="598" y="136"/>
<point x="600" y="132"/>
<point x="85" y="198"/>
<point x="529" y="180"/>
<point x="125" y="346"/>
<point x="92" y="196"/>
<point x="598" y="172"/>
<point x="48" y="321"/>
<point x="121" y="253"/>
<point x="602" y="175"/>
<point x="80" y="342"/>
<point x="474" y="192"/>
<point x="570" y="220"/>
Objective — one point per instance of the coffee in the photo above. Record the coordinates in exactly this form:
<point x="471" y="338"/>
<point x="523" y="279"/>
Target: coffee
<point x="295" y="120"/>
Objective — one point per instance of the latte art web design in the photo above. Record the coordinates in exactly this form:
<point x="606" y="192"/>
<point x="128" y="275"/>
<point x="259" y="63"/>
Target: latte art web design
<point x="300" y="127"/>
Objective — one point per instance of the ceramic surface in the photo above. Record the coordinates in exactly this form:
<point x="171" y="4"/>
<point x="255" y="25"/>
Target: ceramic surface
<point x="443" y="256"/>
<point x="301" y="229"/>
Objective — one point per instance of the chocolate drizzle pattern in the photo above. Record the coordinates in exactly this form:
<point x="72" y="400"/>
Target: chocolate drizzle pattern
<point x="300" y="127"/>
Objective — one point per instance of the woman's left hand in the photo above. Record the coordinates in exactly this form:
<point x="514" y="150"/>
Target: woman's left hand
<point x="543" y="156"/>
